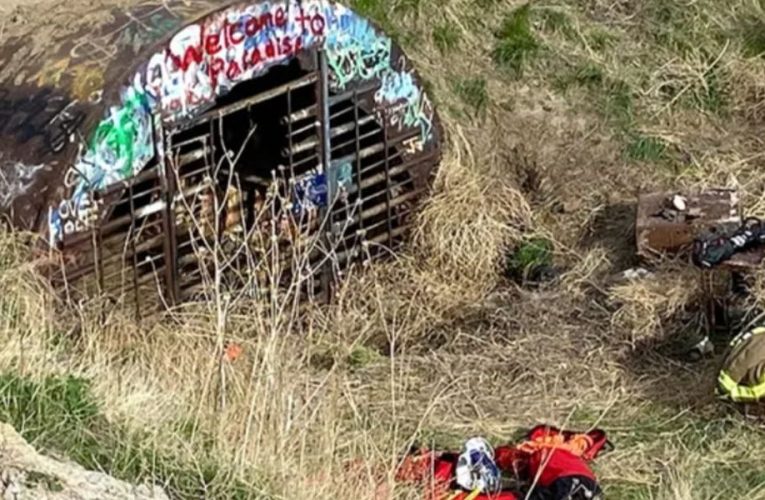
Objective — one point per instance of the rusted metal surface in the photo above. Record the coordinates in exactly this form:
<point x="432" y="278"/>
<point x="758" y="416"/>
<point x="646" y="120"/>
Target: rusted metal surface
<point x="52" y="97"/>
<point x="747" y="260"/>
<point x="661" y="230"/>
<point x="136" y="199"/>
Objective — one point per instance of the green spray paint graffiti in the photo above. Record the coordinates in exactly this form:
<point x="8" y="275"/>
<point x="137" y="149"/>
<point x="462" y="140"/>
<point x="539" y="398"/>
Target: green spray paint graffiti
<point x="115" y="141"/>
<point x="348" y="66"/>
<point x="121" y="144"/>
<point x="357" y="53"/>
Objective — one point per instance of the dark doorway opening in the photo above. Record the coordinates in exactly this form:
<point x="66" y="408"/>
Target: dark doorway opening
<point x="258" y="134"/>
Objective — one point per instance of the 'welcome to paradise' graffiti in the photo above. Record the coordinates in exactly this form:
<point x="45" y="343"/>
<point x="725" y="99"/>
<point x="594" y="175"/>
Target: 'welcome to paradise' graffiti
<point x="205" y="60"/>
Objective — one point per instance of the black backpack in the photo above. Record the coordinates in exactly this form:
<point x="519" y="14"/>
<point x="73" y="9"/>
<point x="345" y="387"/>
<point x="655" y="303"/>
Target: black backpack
<point x="710" y="251"/>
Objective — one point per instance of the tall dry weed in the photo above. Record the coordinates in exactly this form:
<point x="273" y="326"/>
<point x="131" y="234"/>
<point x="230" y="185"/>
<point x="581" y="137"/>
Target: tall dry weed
<point x="645" y="307"/>
<point x="286" y="415"/>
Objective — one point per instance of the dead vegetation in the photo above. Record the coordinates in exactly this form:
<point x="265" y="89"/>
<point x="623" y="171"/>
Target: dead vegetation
<point x="647" y="307"/>
<point x="599" y="100"/>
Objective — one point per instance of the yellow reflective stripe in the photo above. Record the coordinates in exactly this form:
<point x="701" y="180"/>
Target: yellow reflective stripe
<point x="726" y="383"/>
<point x="741" y="393"/>
<point x="473" y="495"/>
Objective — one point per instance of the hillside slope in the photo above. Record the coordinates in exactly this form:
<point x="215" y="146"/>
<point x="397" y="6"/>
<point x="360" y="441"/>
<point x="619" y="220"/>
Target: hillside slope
<point x="28" y="475"/>
<point x="558" y="113"/>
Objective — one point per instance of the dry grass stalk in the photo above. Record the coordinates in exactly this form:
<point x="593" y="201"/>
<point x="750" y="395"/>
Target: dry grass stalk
<point x="295" y="411"/>
<point x="646" y="306"/>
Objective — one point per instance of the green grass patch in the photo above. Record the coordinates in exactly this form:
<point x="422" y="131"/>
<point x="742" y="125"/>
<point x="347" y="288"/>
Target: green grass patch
<point x="613" y="98"/>
<point x="646" y="148"/>
<point x="407" y="6"/>
<point x="555" y="21"/>
<point x="710" y="94"/>
<point x="681" y="28"/>
<point x="618" y="106"/>
<point x="446" y="36"/>
<point x="713" y="96"/>
<point x="362" y="356"/>
<point x="663" y="18"/>
<point x="39" y="410"/>
<point x="474" y="93"/>
<point x="370" y="8"/>
<point x="532" y="254"/>
<point x="379" y="12"/>
<point x="60" y="414"/>
<point x="753" y="36"/>
<point x="600" y="39"/>
<point x="515" y="42"/>
<point x="590" y="75"/>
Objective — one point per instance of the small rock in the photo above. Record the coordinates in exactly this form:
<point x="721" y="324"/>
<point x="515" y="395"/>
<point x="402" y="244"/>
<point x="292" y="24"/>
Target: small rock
<point x="571" y="206"/>
<point x="635" y="274"/>
<point x="63" y="480"/>
<point x="680" y="203"/>
<point x="566" y="207"/>
<point x="702" y="349"/>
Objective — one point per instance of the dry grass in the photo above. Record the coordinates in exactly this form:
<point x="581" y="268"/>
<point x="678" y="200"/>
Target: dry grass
<point x="647" y="307"/>
<point x="435" y="345"/>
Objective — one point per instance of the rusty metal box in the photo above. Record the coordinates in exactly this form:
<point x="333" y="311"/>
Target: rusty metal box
<point x="661" y="229"/>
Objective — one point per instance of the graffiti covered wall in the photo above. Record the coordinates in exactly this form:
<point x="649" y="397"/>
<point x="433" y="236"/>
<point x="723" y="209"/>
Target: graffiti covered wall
<point x="207" y="59"/>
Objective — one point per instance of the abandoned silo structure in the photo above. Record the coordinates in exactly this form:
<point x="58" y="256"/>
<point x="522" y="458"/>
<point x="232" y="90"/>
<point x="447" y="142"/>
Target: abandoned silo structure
<point x="174" y="128"/>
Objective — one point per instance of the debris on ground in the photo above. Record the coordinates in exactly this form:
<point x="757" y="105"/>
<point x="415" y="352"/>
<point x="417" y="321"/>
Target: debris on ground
<point x="709" y="226"/>
<point x="635" y="273"/>
<point x="713" y="250"/>
<point x="552" y="464"/>
<point x="27" y="475"/>
<point x="668" y="223"/>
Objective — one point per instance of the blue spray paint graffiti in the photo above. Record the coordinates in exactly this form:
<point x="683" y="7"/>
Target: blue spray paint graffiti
<point x="408" y="106"/>
<point x="310" y="194"/>
<point x="311" y="191"/>
<point x="344" y="175"/>
<point x="356" y="52"/>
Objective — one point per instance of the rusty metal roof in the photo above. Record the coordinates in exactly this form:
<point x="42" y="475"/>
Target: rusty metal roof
<point x="77" y="106"/>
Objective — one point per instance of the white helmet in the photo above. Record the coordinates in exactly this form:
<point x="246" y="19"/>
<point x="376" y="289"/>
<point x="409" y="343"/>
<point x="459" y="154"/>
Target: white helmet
<point x="476" y="469"/>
